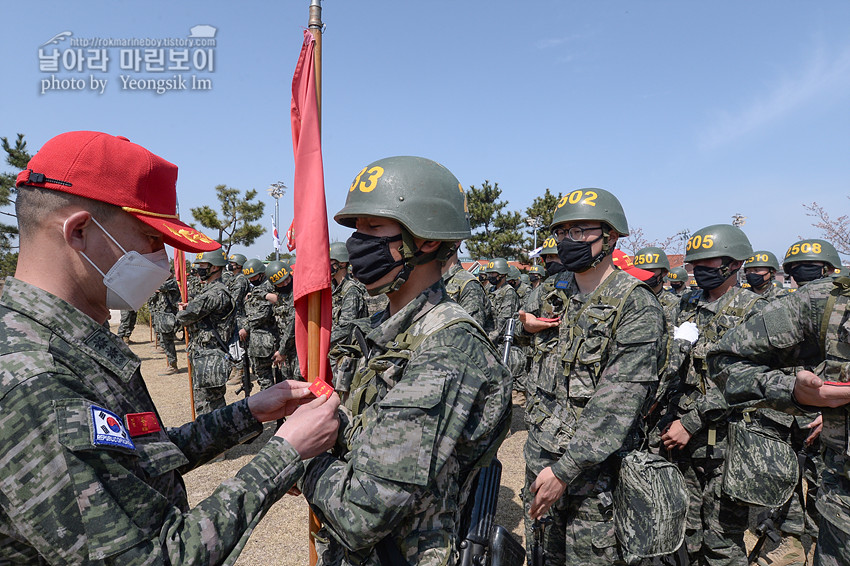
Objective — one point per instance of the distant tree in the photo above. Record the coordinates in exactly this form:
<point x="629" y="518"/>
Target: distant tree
<point x="284" y="257"/>
<point x="835" y="231"/>
<point x="17" y="157"/>
<point x="237" y="223"/>
<point x="541" y="212"/>
<point x="498" y="232"/>
<point x="636" y="240"/>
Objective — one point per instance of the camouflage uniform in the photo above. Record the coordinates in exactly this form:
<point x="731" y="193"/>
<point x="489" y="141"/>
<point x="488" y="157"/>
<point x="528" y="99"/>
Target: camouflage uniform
<point x="715" y="524"/>
<point x="211" y="318"/>
<point x="127" y="324"/>
<point x="71" y="495"/>
<point x="238" y="286"/>
<point x="591" y="385"/>
<point x="787" y="333"/>
<point x="164" y="301"/>
<point x="284" y="313"/>
<point x="412" y="435"/>
<point x="349" y="303"/>
<point x="194" y="285"/>
<point x="772" y="292"/>
<point x="506" y="304"/>
<point x="259" y="321"/>
<point x="465" y="289"/>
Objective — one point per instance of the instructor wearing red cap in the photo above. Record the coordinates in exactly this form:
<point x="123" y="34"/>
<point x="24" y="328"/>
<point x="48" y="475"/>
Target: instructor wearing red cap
<point x="90" y="475"/>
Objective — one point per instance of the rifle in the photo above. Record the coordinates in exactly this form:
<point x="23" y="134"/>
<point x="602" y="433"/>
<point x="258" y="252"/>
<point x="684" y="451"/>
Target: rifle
<point x="484" y="543"/>
<point x="538" y="549"/>
<point x="769" y="521"/>
<point x="508" y="341"/>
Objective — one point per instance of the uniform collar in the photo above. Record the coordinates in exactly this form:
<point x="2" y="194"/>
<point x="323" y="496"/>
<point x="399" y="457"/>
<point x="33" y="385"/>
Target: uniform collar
<point x="71" y="325"/>
<point x="398" y="323"/>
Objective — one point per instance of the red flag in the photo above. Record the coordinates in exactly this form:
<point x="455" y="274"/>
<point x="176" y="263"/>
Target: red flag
<point x="311" y="217"/>
<point x="290" y="236"/>
<point x="180" y="273"/>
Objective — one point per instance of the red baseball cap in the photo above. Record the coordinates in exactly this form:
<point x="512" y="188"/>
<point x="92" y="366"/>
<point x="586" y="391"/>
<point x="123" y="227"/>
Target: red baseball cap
<point x="113" y="170"/>
<point x="624" y="262"/>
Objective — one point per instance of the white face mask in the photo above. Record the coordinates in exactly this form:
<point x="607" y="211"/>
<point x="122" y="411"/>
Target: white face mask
<point x="134" y="277"/>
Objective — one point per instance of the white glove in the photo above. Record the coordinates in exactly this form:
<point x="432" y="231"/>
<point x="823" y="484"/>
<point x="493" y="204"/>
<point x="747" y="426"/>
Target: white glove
<point x="686" y="331"/>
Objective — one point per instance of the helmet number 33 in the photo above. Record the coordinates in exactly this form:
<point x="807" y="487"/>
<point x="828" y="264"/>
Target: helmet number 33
<point x="370" y="182"/>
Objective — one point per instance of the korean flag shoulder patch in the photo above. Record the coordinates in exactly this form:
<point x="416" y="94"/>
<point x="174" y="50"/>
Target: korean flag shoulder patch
<point x="108" y="429"/>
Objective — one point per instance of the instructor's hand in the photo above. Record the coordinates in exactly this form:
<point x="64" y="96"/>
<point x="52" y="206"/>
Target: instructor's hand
<point x="547" y="489"/>
<point x="312" y="428"/>
<point x="280" y="400"/>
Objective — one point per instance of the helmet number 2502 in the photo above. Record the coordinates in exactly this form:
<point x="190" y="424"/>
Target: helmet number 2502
<point x="371" y="181"/>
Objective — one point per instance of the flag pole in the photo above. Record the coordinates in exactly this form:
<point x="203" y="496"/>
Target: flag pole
<point x="314" y="303"/>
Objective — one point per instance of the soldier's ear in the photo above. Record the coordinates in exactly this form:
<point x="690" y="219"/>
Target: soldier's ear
<point x="75" y="230"/>
<point x="429" y="246"/>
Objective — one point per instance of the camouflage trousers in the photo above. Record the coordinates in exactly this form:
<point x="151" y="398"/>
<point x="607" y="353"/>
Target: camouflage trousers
<point x="834" y="505"/>
<point x="166" y="342"/>
<point x="127" y="324"/>
<point x="580" y="527"/>
<point x="715" y="524"/>
<point x="208" y="399"/>
<point x="261" y="369"/>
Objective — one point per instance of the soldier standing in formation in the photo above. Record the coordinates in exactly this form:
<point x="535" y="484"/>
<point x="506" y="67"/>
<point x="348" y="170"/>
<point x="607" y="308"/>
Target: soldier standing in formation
<point x="348" y="295"/>
<point x="760" y="271"/>
<point x="590" y="392"/>
<point x="90" y="474"/>
<point x="163" y="307"/>
<point x="698" y="432"/>
<point x="466" y="290"/>
<point x="678" y="279"/>
<point x="257" y="327"/>
<point x="126" y="325"/>
<point x="210" y="317"/>
<point x="430" y="401"/>
<point x="285" y="355"/>
<point x="803" y="330"/>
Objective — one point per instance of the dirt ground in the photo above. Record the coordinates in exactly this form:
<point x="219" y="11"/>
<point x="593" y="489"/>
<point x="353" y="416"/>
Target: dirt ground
<point x="281" y="537"/>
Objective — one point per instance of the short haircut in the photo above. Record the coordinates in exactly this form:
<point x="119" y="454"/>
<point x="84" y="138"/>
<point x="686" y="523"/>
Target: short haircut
<point x="33" y="204"/>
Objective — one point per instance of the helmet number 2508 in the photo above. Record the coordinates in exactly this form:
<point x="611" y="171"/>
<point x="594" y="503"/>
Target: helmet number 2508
<point x="371" y="181"/>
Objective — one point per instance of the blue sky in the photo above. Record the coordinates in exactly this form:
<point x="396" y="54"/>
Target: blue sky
<point x="689" y="112"/>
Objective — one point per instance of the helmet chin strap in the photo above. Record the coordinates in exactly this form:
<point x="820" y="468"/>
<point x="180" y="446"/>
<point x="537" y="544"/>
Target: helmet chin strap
<point x="606" y="248"/>
<point x="412" y="256"/>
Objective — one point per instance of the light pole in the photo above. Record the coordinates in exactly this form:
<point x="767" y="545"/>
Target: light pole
<point x="534" y="222"/>
<point x="277" y="190"/>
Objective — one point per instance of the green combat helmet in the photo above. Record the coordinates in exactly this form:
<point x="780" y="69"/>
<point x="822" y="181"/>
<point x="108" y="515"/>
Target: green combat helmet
<point x="421" y="195"/>
<point x="339" y="252"/>
<point x="718" y="240"/>
<point x="762" y="258"/>
<point x="278" y="271"/>
<point x="651" y="258"/>
<point x="537" y="270"/>
<point x="812" y="250"/>
<point x="678" y="275"/>
<point x="591" y="204"/>
<point x="498" y="265"/>
<point x="238" y="259"/>
<point x="253" y="267"/>
<point x="550" y="247"/>
<point x="513" y="273"/>
<point x="216" y="258"/>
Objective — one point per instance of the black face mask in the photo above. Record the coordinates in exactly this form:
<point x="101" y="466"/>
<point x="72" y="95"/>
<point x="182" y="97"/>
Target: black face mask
<point x="709" y="278"/>
<point x="203" y="272"/>
<point x="805" y="272"/>
<point x="755" y="280"/>
<point x="370" y="257"/>
<point x="655" y="280"/>
<point x="576" y="256"/>
<point x="285" y="289"/>
<point x="677" y="286"/>
<point x="256" y="282"/>
<point x="494" y="279"/>
<point x="553" y="267"/>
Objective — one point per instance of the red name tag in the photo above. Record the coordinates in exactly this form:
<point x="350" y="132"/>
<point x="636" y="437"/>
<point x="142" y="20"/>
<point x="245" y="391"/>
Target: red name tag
<point x="319" y="388"/>
<point x="141" y="423"/>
